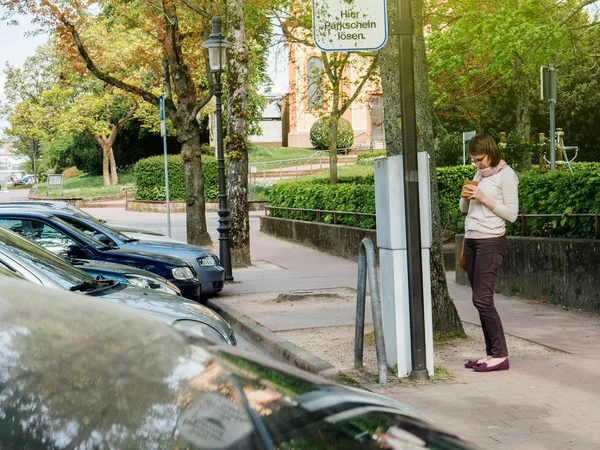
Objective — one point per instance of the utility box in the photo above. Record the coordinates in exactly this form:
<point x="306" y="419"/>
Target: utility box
<point x="393" y="258"/>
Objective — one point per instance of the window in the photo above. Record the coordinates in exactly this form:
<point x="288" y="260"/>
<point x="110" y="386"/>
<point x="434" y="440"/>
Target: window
<point x="40" y="233"/>
<point x="314" y="72"/>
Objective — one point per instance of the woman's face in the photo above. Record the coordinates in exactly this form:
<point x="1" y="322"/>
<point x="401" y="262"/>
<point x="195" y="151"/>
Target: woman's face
<point x="481" y="161"/>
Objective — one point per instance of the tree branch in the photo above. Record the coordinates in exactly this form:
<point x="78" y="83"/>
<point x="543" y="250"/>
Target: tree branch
<point x="364" y="80"/>
<point x="146" y="95"/>
<point x="196" y="9"/>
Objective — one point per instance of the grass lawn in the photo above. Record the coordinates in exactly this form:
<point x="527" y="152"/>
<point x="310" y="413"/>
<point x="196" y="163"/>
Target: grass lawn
<point x="258" y="155"/>
<point x="88" y="185"/>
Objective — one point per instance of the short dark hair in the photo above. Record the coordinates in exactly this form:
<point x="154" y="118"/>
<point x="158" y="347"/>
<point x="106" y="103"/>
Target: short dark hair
<point x="484" y="144"/>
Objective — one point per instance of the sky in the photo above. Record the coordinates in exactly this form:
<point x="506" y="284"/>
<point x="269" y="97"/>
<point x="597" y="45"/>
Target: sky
<point x="15" y="47"/>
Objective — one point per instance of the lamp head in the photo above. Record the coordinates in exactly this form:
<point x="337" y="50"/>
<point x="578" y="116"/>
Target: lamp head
<point x="217" y="47"/>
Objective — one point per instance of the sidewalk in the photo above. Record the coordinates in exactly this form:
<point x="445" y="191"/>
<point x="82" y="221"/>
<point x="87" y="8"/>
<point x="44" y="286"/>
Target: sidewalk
<point x="547" y="400"/>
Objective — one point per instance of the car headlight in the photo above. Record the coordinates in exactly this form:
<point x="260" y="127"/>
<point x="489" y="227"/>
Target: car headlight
<point x="152" y="283"/>
<point x="208" y="260"/>
<point x="200" y="329"/>
<point x="182" y="273"/>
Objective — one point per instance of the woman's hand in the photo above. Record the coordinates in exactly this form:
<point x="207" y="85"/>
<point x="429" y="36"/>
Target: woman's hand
<point x="477" y="194"/>
<point x="474" y="193"/>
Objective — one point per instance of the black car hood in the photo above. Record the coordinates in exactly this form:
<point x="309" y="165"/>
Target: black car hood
<point x="123" y="253"/>
<point x="76" y="373"/>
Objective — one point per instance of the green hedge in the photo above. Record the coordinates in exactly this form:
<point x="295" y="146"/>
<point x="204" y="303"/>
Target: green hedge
<point x="150" y="178"/>
<point x="548" y="193"/>
<point x="314" y="195"/>
<point x="369" y="157"/>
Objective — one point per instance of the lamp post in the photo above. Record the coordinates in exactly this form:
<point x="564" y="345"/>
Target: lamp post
<point x="217" y="47"/>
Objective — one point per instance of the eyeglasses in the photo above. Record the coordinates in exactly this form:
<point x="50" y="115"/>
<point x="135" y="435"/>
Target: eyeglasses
<point x="478" y="160"/>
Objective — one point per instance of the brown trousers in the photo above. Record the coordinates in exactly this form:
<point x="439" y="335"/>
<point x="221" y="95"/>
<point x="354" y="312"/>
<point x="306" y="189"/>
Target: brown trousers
<point x="483" y="258"/>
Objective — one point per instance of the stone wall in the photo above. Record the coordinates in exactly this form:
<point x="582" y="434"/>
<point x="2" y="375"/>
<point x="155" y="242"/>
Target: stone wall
<point x="564" y="271"/>
<point x="337" y="240"/>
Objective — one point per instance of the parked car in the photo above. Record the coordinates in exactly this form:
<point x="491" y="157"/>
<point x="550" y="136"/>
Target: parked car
<point x="26" y="180"/>
<point x="86" y="375"/>
<point x="39" y="266"/>
<point x="205" y="262"/>
<point x="127" y="275"/>
<point x="68" y="242"/>
<point x="134" y="233"/>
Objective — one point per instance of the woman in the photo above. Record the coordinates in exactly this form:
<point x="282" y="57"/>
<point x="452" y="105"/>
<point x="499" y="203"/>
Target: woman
<point x="488" y="206"/>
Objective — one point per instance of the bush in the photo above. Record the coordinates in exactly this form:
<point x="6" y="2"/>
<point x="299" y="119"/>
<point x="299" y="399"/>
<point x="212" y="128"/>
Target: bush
<point x="71" y="172"/>
<point x="340" y="197"/>
<point x="319" y="134"/>
<point x="150" y="178"/>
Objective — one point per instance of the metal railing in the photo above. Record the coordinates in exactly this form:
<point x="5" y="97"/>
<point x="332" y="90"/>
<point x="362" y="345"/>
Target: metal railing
<point x="313" y="162"/>
<point x="367" y="267"/>
<point x="319" y="212"/>
<point x="524" y="218"/>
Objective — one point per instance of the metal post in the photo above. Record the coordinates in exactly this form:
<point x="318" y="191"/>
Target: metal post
<point x="223" y="212"/>
<point x="552" y="117"/>
<point x="163" y="132"/>
<point x="404" y="28"/>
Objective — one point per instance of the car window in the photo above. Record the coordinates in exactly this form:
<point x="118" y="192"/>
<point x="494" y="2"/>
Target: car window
<point x="84" y="228"/>
<point x="32" y="255"/>
<point x="41" y="233"/>
<point x="102" y="226"/>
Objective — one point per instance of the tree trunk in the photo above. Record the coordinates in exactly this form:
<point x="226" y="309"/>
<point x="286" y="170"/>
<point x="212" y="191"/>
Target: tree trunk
<point x="237" y="130"/>
<point x="333" y="132"/>
<point x="105" y="165"/>
<point x="189" y="138"/>
<point x="114" y="179"/>
<point x="445" y="316"/>
<point x="523" y="117"/>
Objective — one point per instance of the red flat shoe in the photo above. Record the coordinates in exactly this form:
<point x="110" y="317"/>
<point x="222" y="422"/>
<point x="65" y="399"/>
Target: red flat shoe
<point x="470" y="364"/>
<point x="483" y="367"/>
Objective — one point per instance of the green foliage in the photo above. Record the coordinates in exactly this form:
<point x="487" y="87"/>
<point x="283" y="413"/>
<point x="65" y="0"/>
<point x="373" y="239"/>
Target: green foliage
<point x="548" y="193"/>
<point x="369" y="157"/>
<point x="448" y="149"/>
<point x="57" y="155"/>
<point x="320" y="135"/>
<point x="150" y="178"/>
<point x="316" y="195"/>
<point x="450" y="181"/>
<point x="559" y="193"/>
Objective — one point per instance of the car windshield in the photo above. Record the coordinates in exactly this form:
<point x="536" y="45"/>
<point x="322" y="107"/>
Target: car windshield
<point x="101" y="226"/>
<point x="63" y="273"/>
<point x="80" y="234"/>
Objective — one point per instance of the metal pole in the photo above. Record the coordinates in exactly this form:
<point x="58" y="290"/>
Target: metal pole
<point x="223" y="212"/>
<point x="405" y="30"/>
<point x="163" y="132"/>
<point x="167" y="185"/>
<point x="552" y="117"/>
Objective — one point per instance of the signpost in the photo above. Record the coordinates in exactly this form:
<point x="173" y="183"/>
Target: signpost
<point x="467" y="136"/>
<point x="163" y="133"/>
<point x="349" y="25"/>
<point x="54" y="181"/>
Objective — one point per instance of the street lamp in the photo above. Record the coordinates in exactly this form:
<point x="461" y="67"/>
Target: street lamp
<point x="217" y="55"/>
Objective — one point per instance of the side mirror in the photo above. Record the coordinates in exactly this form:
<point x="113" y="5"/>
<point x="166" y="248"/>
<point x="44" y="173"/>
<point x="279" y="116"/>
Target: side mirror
<point x="104" y="239"/>
<point x="75" y="251"/>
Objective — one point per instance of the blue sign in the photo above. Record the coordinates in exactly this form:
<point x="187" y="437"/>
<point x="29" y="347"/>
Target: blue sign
<point x="161" y="99"/>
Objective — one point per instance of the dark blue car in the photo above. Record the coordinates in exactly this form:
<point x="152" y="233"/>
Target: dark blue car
<point x="64" y="240"/>
<point x="205" y="262"/>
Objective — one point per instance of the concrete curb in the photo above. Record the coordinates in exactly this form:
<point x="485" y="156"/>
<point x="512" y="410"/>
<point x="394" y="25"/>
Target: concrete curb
<point x="272" y="343"/>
